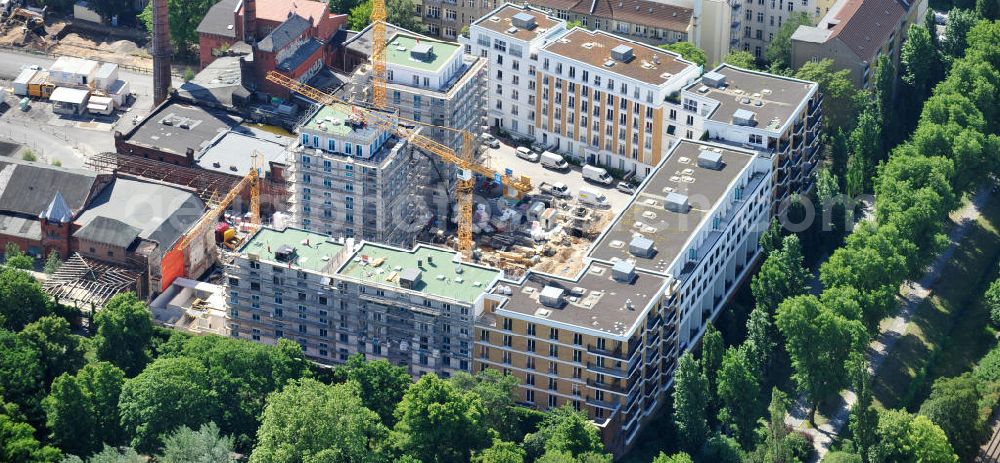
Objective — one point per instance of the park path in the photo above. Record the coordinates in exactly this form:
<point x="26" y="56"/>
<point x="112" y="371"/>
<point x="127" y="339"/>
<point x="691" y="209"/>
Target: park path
<point x="913" y="293"/>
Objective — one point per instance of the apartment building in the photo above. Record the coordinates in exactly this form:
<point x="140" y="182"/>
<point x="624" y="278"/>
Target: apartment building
<point x="855" y="33"/>
<point x="335" y="297"/>
<point x="761" y="19"/>
<point x="588" y="94"/>
<point x="765" y="112"/>
<point x="607" y="341"/>
<point x="350" y="179"/>
<point x="652" y="22"/>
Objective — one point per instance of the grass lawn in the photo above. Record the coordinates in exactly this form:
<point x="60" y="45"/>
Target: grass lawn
<point x="950" y="330"/>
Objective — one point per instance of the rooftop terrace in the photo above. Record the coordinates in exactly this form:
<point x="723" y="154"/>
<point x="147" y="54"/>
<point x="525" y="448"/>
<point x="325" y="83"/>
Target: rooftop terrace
<point x="313" y="251"/>
<point x="778" y="97"/>
<point x="646" y="63"/>
<point x="440" y="275"/>
<point x="502" y="21"/>
<point x="594" y="301"/>
<point x="399" y="50"/>
<point x="647" y="215"/>
<point x="332" y="120"/>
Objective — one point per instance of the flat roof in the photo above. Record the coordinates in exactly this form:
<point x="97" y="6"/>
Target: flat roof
<point x="500" y="21"/>
<point x="649" y="64"/>
<point x="397" y="52"/>
<point x="160" y="213"/>
<point x="74" y="65"/>
<point x="647" y="216"/>
<point x="330" y="119"/>
<point x="779" y="95"/>
<point x="593" y="300"/>
<point x="440" y="274"/>
<point x="178" y="126"/>
<point x="69" y="95"/>
<point x="310" y="248"/>
<point x="232" y="153"/>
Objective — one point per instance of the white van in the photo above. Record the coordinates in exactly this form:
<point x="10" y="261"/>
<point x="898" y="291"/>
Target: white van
<point x="553" y="161"/>
<point x="526" y="154"/>
<point x="597" y="175"/>
<point x="592" y="198"/>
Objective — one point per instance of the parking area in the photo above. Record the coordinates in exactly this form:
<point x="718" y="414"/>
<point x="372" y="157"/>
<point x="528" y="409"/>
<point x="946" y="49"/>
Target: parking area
<point x="504" y="157"/>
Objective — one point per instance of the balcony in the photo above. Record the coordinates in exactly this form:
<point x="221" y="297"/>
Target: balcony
<point x="797" y="128"/>
<point x="601" y="403"/>
<point x="617" y="353"/>
<point x="614" y="386"/>
<point x="617" y="373"/>
<point x="782" y="177"/>
<point x="735" y="24"/>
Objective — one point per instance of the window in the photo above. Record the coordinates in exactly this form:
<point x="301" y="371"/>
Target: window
<point x="756" y="139"/>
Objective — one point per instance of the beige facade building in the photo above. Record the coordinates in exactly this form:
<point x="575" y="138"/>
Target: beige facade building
<point x="855" y="33"/>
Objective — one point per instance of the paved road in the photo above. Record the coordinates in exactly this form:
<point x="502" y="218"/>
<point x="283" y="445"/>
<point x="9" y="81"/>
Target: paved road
<point x="914" y="293"/>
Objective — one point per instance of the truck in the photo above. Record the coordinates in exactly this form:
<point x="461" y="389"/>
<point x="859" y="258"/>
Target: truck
<point x="553" y="161"/>
<point x="592" y="198"/>
<point x="597" y="175"/>
<point x="557" y="189"/>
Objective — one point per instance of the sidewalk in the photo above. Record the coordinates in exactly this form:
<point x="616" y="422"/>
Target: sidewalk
<point x="914" y="293"/>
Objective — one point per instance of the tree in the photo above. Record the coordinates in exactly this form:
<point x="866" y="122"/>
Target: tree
<point x="839" y="153"/>
<point x="496" y="392"/>
<point x="59" y="350"/>
<point x="402" y="13"/>
<point x="52" y="262"/>
<point x="842" y="457"/>
<point x="781" y="276"/>
<point x="342" y="6"/>
<point x="82" y="411"/>
<point x="960" y="22"/>
<point x="738" y="388"/>
<point x="690" y="403"/>
<point x="242" y="374"/>
<point x="168" y="394"/>
<point x="741" y="59"/>
<point x="675" y="458"/>
<point x="921" y="62"/>
<point x="779" y="52"/>
<point x="22" y="300"/>
<point x="500" y="452"/>
<point x="573" y="24"/>
<point x="775" y="447"/>
<point x="857" y="169"/>
<point x="988" y="9"/>
<point x="833" y="209"/>
<point x="723" y="449"/>
<point x="712" y="350"/>
<point x="761" y="340"/>
<point x="17" y="440"/>
<point x="205" y="445"/>
<point x="906" y="438"/>
<point x="954" y="406"/>
<point x="885" y="97"/>
<point x="310" y="418"/>
<point x="841" y="99"/>
<point x="866" y="145"/>
<point x="21" y="375"/>
<point x="569" y="431"/>
<point x="382" y="384"/>
<point x="13" y="256"/>
<point x="819" y="341"/>
<point x="124" y="332"/>
<point x="688" y="51"/>
<point x="184" y="17"/>
<point x="992" y="301"/>
<point x="770" y="239"/>
<point x="438" y="423"/>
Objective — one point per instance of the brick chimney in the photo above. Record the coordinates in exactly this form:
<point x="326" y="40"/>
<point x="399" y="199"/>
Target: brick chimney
<point x="250" y="21"/>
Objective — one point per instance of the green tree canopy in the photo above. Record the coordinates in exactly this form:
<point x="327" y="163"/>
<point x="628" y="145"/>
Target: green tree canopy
<point x="781" y="276"/>
<point x="437" y="423"/>
<point x="22" y="376"/>
<point x="741" y="58"/>
<point x="500" y="452"/>
<point x="761" y="340"/>
<point x="382" y="384"/>
<point x="954" y="406"/>
<point x="496" y="392"/>
<point x="205" y="445"/>
<point x="921" y="62"/>
<point x="21" y="299"/>
<point x="688" y="51"/>
<point x="59" y="350"/>
<point x="402" y="13"/>
<point x="738" y="389"/>
<point x="712" y="350"/>
<point x="691" y="396"/>
<point x="992" y="301"/>
<point x="675" y="458"/>
<point x="779" y="52"/>
<point x="723" y="449"/>
<point x="168" y="394"/>
<point x="308" y="418"/>
<point x="184" y="17"/>
<point x="960" y="22"/>
<point x="906" y="438"/>
<point x="124" y="332"/>
<point x="841" y="99"/>
<point x="82" y="410"/>
<point x="17" y="440"/>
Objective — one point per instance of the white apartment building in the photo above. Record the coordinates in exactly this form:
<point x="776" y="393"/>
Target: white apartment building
<point x="608" y="340"/>
<point x="349" y="179"/>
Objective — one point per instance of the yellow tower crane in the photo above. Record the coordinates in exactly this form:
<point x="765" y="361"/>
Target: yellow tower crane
<point x="466" y="164"/>
<point x="379" y="74"/>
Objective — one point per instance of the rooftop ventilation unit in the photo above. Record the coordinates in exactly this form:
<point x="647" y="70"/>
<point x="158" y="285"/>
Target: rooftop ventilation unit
<point x="409" y="278"/>
<point x="640" y="246"/>
<point x="677" y="202"/>
<point x="714" y="79"/>
<point x="623" y="271"/>
<point x="422" y="52"/>
<point x="523" y="20"/>
<point x="285" y="253"/>
<point x="710" y="160"/>
<point x="622" y="53"/>
<point x="744" y="117"/>
<point x="551" y="296"/>
<point x="511" y="30"/>
<point x="609" y="63"/>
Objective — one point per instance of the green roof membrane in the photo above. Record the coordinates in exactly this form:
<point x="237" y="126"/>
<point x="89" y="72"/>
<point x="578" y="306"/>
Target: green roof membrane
<point x="397" y="52"/>
<point x="312" y="250"/>
<point x="439" y="274"/>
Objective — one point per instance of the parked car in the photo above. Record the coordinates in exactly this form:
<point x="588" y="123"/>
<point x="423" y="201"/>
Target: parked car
<point x="625" y="187"/>
<point x="490" y="141"/>
<point x="526" y="154"/>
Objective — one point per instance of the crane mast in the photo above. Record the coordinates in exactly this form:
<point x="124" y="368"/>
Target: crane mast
<point x="379" y="73"/>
